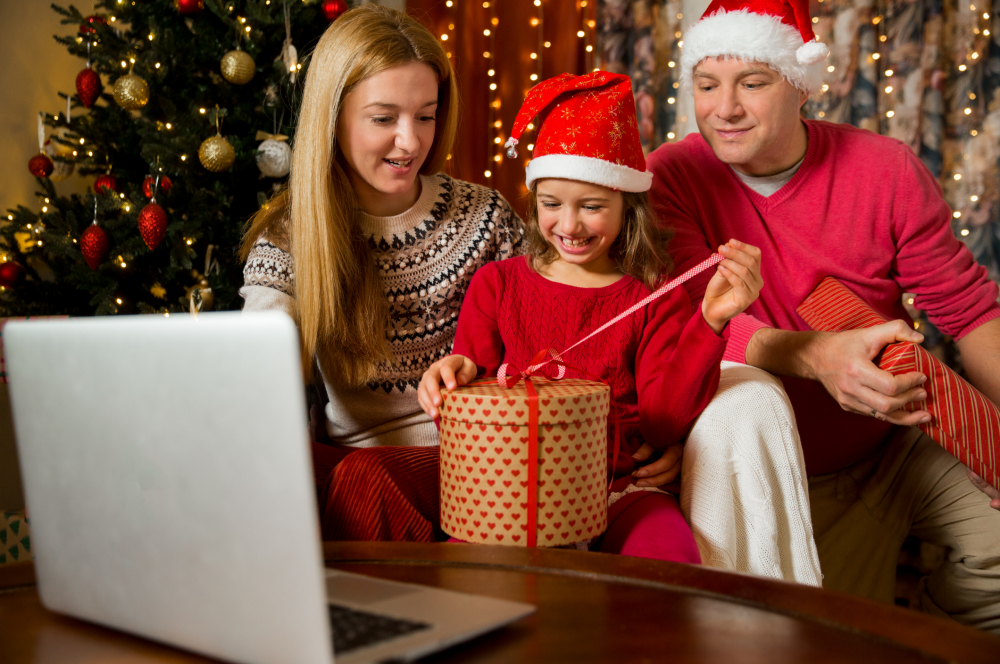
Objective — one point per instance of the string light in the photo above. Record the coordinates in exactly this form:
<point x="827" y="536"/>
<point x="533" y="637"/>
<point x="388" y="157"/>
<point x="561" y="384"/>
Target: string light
<point x="965" y="231"/>
<point x="494" y="105"/>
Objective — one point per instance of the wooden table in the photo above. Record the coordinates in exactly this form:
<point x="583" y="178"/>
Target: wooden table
<point x="591" y="608"/>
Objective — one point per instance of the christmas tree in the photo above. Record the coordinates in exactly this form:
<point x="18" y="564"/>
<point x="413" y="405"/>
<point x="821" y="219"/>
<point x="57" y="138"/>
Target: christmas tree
<point x="183" y="113"/>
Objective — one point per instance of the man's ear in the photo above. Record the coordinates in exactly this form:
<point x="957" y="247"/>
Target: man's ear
<point x="803" y="97"/>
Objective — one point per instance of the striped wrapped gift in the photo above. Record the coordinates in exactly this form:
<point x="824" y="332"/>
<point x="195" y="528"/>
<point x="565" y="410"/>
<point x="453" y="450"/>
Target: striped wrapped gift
<point x="964" y="421"/>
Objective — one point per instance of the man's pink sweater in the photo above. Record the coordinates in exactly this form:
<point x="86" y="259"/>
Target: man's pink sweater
<point x="862" y="208"/>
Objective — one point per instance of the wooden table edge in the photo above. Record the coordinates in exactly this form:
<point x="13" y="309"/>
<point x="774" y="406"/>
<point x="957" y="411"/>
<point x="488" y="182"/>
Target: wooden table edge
<point x="935" y="636"/>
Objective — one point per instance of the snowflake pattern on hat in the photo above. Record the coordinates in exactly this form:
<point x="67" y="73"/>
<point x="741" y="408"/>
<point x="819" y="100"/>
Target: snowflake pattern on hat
<point x="587" y="131"/>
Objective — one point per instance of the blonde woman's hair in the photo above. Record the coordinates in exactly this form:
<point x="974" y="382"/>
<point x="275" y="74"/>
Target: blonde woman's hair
<point x="640" y="250"/>
<point x="340" y="304"/>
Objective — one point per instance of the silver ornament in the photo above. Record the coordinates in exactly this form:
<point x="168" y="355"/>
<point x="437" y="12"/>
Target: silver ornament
<point x="274" y="158"/>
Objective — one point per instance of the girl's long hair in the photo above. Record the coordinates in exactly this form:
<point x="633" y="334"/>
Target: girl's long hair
<point x="640" y="250"/>
<point x="340" y="304"/>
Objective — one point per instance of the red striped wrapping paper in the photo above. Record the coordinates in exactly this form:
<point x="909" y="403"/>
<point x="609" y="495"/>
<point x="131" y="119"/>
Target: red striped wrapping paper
<point x="964" y="421"/>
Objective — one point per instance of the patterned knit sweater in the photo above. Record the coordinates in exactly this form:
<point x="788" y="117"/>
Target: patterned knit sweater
<point x="427" y="255"/>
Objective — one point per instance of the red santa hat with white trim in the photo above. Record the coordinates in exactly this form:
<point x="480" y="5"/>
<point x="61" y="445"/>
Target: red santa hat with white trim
<point x="776" y="32"/>
<point x="586" y="131"/>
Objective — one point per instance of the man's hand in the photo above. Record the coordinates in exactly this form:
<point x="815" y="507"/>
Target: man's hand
<point x="734" y="286"/>
<point x="452" y="371"/>
<point x="662" y="471"/>
<point x="986" y="488"/>
<point x="842" y="361"/>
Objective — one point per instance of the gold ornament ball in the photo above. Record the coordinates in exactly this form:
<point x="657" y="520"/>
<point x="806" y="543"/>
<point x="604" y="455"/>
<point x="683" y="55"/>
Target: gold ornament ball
<point x="131" y="92"/>
<point x="238" y="67"/>
<point x="216" y="154"/>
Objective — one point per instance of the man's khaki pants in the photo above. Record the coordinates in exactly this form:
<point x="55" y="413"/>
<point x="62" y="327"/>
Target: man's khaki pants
<point x="862" y="514"/>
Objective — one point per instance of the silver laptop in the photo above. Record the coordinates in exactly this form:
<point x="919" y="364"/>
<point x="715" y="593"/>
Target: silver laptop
<point x="167" y="477"/>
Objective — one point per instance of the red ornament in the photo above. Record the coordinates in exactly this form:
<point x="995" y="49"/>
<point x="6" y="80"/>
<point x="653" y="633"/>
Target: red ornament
<point x="88" y="86"/>
<point x="332" y="9"/>
<point x="11" y="274"/>
<point x="189" y="6"/>
<point x="87" y="27"/>
<point x="106" y="184"/>
<point x="41" y="166"/>
<point x="150" y="182"/>
<point x="94" y="245"/>
<point x="153" y="225"/>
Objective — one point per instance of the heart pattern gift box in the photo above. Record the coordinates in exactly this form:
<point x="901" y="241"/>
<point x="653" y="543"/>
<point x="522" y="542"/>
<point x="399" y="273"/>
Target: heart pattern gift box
<point x="490" y="448"/>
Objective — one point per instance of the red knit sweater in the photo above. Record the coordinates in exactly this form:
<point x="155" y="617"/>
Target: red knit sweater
<point x="662" y="363"/>
<point x="862" y="208"/>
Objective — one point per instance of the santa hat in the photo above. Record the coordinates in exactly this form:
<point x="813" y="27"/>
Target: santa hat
<point x="776" y="32"/>
<point x="586" y="131"/>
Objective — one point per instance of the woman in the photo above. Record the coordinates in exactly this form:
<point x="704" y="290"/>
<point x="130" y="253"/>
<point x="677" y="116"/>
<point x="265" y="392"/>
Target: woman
<point x="371" y="250"/>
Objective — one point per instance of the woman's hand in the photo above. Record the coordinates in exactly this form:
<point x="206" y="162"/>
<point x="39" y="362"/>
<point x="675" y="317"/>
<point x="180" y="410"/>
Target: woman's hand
<point x="735" y="285"/>
<point x="452" y="371"/>
<point x="662" y="471"/>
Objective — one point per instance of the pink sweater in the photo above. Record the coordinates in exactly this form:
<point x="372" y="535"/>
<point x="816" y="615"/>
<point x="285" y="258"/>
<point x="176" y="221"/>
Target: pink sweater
<point x="862" y="208"/>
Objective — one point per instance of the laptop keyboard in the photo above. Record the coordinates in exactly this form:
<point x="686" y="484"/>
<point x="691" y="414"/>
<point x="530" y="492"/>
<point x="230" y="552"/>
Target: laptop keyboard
<point x="355" y="629"/>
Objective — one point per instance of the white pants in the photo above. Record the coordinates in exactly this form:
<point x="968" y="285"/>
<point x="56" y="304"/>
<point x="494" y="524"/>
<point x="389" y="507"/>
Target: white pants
<point x="744" y="488"/>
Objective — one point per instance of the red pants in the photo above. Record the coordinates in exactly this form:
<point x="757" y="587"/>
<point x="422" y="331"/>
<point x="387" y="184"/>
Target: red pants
<point x="378" y="493"/>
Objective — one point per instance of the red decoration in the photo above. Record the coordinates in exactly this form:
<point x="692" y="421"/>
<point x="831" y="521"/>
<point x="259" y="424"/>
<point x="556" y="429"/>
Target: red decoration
<point x="150" y="182"/>
<point x="106" y="184"/>
<point x="41" y="166"/>
<point x="94" y="245"/>
<point x="87" y="27"/>
<point x="189" y="6"/>
<point x="88" y="86"/>
<point x="153" y="224"/>
<point x="11" y="274"/>
<point x="332" y="9"/>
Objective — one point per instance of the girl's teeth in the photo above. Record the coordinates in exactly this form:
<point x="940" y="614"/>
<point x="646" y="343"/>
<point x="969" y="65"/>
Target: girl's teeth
<point x="398" y="164"/>
<point x="575" y="243"/>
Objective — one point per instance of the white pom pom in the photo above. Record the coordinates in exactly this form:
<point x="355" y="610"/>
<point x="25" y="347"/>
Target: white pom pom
<point x="811" y="52"/>
<point x="274" y="158"/>
<point x="511" y="146"/>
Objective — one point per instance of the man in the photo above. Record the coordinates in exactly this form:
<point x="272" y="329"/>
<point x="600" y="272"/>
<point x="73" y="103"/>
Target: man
<point x="821" y="200"/>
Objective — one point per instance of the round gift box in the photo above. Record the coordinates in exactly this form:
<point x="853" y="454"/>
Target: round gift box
<point x="486" y="444"/>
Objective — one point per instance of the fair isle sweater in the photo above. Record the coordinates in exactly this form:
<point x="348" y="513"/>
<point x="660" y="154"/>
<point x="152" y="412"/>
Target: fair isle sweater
<point x="427" y="255"/>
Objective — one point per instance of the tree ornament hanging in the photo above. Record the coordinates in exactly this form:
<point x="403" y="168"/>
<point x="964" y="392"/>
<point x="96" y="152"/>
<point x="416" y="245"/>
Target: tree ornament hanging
<point x="200" y="295"/>
<point x="149" y="184"/>
<point x="152" y="224"/>
<point x="87" y="27"/>
<point x="94" y="243"/>
<point x="131" y="92"/>
<point x="289" y="55"/>
<point x="40" y="165"/>
<point x="11" y="274"/>
<point x="274" y="157"/>
<point x="88" y="84"/>
<point x="107" y="184"/>
<point x="61" y="170"/>
<point x="189" y="6"/>
<point x="332" y="9"/>
<point x="153" y="220"/>
<point x="238" y="67"/>
<point x="216" y="153"/>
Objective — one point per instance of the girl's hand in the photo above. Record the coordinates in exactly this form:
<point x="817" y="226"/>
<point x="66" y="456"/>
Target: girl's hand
<point x="453" y="371"/>
<point x="662" y="471"/>
<point x="735" y="285"/>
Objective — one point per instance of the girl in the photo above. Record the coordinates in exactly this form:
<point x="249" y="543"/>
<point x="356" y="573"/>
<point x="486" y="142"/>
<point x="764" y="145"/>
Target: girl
<point x="370" y="250"/>
<point x="594" y="249"/>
